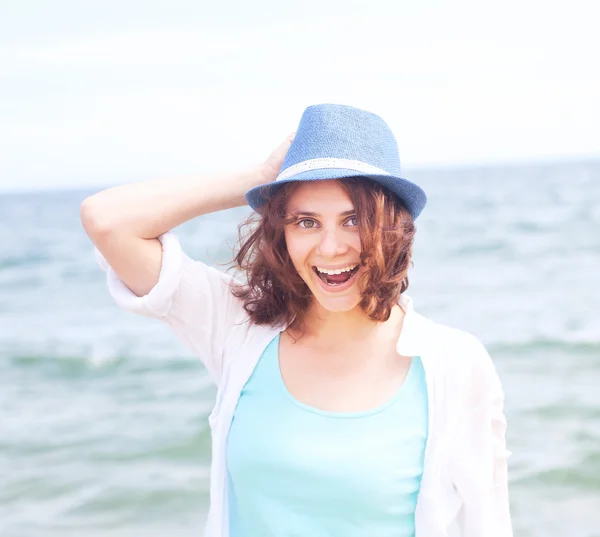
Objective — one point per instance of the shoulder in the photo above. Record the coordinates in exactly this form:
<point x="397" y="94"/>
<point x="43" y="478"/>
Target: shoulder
<point x="463" y="360"/>
<point x="449" y="342"/>
<point x="464" y="348"/>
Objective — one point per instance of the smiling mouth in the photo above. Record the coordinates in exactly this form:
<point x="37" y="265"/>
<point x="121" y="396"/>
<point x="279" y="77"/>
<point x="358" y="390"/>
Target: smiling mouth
<point x="336" y="279"/>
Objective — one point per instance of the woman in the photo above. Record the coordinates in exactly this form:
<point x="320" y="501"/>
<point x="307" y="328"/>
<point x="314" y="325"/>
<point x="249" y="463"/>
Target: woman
<point x="340" y="410"/>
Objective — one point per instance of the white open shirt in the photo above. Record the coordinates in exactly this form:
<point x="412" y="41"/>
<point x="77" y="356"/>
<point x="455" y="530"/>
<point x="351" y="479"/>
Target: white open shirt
<point x="464" y="488"/>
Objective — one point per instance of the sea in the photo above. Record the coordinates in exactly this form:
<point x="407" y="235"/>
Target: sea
<point x="103" y="414"/>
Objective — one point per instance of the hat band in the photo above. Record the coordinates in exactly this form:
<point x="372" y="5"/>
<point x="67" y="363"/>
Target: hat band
<point x="328" y="163"/>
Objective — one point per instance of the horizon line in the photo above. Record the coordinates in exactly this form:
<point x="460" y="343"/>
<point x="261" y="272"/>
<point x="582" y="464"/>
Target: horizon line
<point x="414" y="168"/>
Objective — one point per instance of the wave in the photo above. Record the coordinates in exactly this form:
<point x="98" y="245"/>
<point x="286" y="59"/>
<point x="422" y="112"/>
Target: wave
<point x="567" y="410"/>
<point x="583" y="476"/>
<point x="96" y="361"/>
<point x="66" y="363"/>
<point x="556" y="345"/>
<point x="31" y="260"/>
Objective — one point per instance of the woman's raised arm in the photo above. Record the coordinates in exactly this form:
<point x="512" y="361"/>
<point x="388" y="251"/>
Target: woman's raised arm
<point x="124" y="222"/>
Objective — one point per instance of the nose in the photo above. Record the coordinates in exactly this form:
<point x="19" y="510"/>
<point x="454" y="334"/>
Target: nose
<point x="332" y="244"/>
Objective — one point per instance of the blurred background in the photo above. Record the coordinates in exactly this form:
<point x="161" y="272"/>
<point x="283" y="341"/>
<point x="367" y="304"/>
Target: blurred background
<point x="496" y="108"/>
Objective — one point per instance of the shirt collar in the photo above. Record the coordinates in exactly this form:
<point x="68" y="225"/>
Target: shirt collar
<point x="412" y="337"/>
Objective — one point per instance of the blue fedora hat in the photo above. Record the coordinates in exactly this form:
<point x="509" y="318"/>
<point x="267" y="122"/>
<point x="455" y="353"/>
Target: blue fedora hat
<point x="335" y="142"/>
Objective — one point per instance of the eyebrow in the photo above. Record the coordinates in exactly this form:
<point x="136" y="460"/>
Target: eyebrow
<point x="308" y="213"/>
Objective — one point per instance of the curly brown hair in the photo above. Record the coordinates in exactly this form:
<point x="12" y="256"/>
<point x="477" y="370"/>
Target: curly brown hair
<point x="274" y="293"/>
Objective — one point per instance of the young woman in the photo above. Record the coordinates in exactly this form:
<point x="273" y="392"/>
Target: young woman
<point x="340" y="411"/>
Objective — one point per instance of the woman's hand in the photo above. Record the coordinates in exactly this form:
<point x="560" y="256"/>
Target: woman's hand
<point x="273" y="164"/>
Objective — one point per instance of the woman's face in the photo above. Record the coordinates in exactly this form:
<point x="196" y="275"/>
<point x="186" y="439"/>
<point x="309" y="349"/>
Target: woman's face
<point x="325" y="236"/>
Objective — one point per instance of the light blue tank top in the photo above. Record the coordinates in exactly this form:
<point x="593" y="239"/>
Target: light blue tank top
<point x="297" y="471"/>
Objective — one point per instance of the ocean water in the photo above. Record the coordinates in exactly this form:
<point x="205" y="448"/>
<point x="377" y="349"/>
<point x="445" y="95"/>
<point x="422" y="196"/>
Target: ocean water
<point x="103" y="414"/>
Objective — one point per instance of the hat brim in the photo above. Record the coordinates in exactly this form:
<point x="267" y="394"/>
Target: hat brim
<point x="411" y="195"/>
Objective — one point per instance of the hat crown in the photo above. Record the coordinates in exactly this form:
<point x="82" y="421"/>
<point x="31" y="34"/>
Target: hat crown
<point x="344" y="132"/>
<point x="335" y="141"/>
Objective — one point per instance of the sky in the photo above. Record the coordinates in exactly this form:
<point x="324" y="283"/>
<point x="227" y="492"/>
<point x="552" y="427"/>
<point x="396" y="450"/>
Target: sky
<point x="104" y="92"/>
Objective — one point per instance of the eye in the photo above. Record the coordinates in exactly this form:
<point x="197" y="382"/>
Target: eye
<point x="306" y="223"/>
<point x="352" y="219"/>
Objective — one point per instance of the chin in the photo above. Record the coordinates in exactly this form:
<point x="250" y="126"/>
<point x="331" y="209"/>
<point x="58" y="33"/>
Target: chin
<point x="333" y="302"/>
<point x="339" y="305"/>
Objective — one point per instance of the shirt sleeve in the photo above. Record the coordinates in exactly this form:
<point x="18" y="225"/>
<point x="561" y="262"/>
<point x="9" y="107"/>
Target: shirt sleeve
<point x="480" y="459"/>
<point x="192" y="298"/>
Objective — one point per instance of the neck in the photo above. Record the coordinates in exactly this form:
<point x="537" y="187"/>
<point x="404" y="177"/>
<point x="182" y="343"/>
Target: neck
<point x="347" y="328"/>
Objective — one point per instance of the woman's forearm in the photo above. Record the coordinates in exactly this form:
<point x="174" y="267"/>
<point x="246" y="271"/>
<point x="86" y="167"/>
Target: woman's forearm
<point x="150" y="208"/>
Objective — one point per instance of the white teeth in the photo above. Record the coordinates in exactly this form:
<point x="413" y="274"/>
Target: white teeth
<point x="337" y="271"/>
